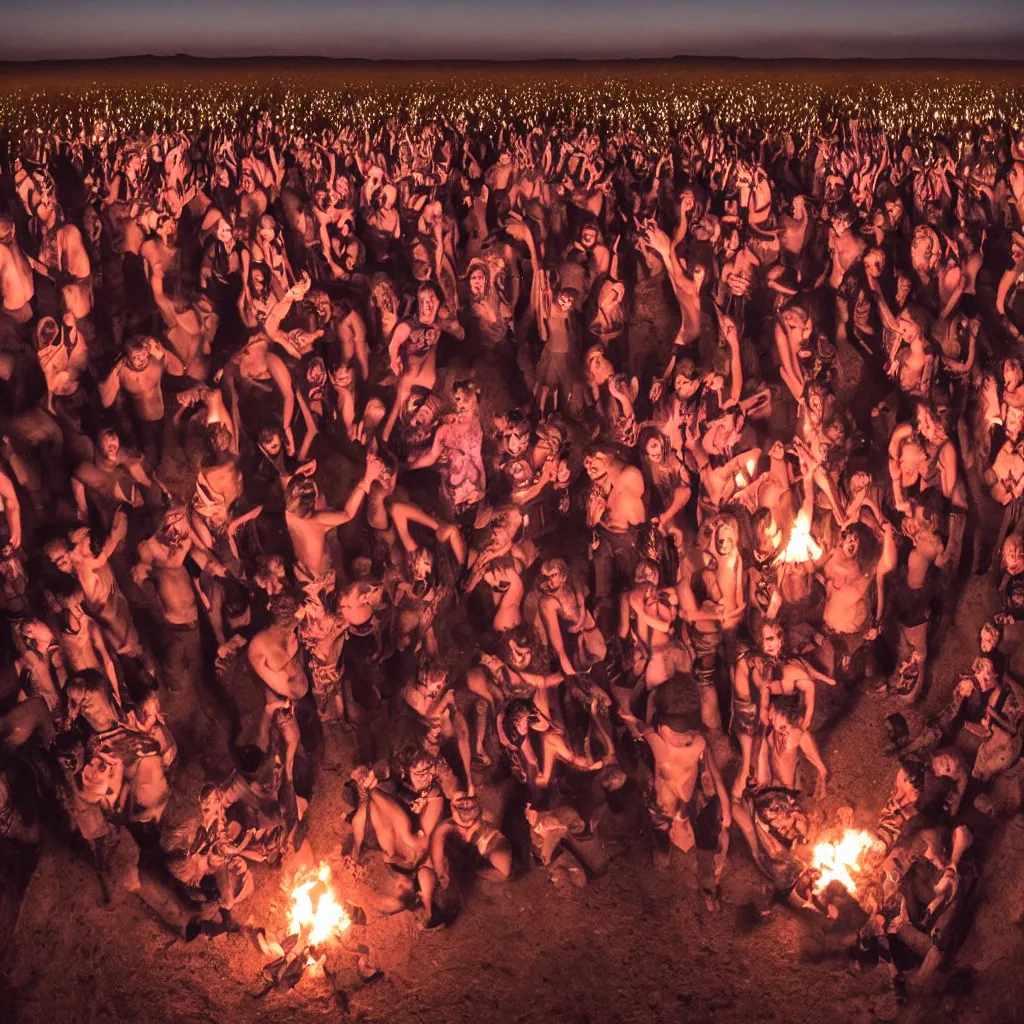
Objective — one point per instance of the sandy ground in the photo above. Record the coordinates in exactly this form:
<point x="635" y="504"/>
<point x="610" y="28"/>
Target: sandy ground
<point x="634" y="946"/>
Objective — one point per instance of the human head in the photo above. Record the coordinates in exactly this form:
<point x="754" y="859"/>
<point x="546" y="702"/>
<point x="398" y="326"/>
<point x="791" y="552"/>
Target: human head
<point x="285" y="610"/>
<point x="771" y="638"/>
<point x="597" y="460"/>
<point x="428" y="302"/>
<point x="553" y="574"/>
<point x="136" y="351"/>
<point x="301" y="495"/>
<point x="109" y="443"/>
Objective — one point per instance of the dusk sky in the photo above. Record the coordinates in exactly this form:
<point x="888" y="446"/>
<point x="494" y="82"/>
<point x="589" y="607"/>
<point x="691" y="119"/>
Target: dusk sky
<point x="512" y="28"/>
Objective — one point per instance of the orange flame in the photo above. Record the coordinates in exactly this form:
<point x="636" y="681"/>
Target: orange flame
<point x="802" y="547"/>
<point x="316" y="912"/>
<point x="840" y="860"/>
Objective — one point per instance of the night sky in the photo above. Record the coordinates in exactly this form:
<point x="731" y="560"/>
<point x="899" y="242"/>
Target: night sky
<point x="513" y="28"/>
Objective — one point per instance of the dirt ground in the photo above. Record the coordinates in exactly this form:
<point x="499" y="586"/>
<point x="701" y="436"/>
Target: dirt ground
<point x="636" y="945"/>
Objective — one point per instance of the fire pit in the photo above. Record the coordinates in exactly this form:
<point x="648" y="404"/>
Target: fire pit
<point x="316" y="920"/>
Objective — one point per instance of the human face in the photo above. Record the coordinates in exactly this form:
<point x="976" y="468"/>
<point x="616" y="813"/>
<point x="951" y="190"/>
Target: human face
<point x="597" y="465"/>
<point x="599" y="368"/>
<point x="684" y="387"/>
<point x="517" y="441"/>
<point x="59" y="554"/>
<point x="796" y="322"/>
<point x="465" y="401"/>
<point x="1012" y="375"/>
<point x="1013" y="556"/>
<point x="421" y="775"/>
<point x="930" y="430"/>
<point x="989" y="639"/>
<point x="894" y="211"/>
<point x="421" y="565"/>
<point x="432" y="681"/>
<point x="110" y="446"/>
<point x="224" y="232"/>
<point x="859" y="483"/>
<point x="588" y="238"/>
<point x="850" y="544"/>
<point x="272" y="446"/>
<point x="552" y="577"/>
<point x="519" y="656"/>
<point x="343" y="378"/>
<point x="841" y="223"/>
<point x="655" y="450"/>
<point x="138" y="359"/>
<point x="646" y="573"/>
<point x="565" y="302"/>
<point x="477" y="283"/>
<point x="874" y="263"/>
<point x="922" y="249"/>
<point x="427" y="306"/>
<point x="725" y="543"/>
<point x="771" y="641"/>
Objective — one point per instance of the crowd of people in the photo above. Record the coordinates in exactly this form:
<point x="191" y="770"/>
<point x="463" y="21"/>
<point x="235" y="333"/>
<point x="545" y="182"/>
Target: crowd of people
<point x="543" y="474"/>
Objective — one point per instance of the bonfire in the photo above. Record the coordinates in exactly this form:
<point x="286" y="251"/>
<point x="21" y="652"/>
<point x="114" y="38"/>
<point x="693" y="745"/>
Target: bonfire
<point x="316" y="919"/>
<point x="802" y="547"/>
<point x="842" y="860"/>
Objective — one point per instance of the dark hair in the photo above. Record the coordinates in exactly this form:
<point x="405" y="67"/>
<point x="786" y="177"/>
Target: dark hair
<point x="283" y="608"/>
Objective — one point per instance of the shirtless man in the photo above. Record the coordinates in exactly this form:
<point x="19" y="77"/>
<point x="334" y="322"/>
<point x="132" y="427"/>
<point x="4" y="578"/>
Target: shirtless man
<point x="412" y="348"/>
<point x="563" y="603"/>
<point x="275" y="656"/>
<point x="308" y="527"/>
<point x="111" y="479"/>
<point x="432" y="698"/>
<point x="468" y="827"/>
<point x="64" y="260"/>
<point x="850" y="622"/>
<point x="516" y="671"/>
<point x="786" y="738"/>
<point x="776" y="676"/>
<point x="615" y="507"/>
<point x="139" y="372"/>
<point x="682" y="761"/>
<point x="845" y="246"/>
<point x="104" y="599"/>
<point x="646" y="615"/>
<point x="17" y="288"/>
<point x="713" y="603"/>
<point x="80" y="637"/>
<point x="915" y="591"/>
<point x="162" y="559"/>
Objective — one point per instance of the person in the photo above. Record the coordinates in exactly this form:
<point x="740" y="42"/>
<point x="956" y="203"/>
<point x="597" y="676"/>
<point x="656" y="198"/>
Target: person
<point x="308" y="526"/>
<point x="786" y="737"/>
<point x="615" y="507"/>
<point x="139" y="373"/>
<point x="682" y="760"/>
<point x="849" y="615"/>
<point x="275" y="656"/>
<point x="17" y="288"/>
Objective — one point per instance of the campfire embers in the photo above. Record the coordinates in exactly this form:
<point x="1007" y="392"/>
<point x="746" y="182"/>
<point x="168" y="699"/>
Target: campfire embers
<point x="802" y="547"/>
<point x="842" y="860"/>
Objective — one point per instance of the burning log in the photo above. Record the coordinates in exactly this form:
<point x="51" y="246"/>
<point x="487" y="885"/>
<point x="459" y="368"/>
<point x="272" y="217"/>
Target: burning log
<point x="316" y="920"/>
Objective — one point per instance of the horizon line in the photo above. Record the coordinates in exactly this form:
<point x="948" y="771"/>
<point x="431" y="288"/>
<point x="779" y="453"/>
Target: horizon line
<point x="115" y="58"/>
